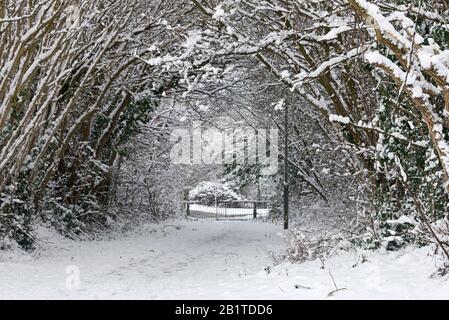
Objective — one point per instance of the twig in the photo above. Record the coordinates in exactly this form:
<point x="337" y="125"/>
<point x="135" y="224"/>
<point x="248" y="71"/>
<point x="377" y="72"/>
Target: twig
<point x="298" y="286"/>
<point x="335" y="285"/>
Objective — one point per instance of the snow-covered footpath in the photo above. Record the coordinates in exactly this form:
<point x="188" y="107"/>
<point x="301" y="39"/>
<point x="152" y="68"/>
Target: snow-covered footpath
<point x="211" y="260"/>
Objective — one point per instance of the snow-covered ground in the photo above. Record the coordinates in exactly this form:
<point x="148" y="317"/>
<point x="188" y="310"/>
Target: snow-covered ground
<point x="211" y="260"/>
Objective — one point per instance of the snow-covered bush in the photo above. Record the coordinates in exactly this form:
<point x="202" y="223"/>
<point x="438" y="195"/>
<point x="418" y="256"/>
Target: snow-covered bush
<point x="147" y="189"/>
<point x="209" y="192"/>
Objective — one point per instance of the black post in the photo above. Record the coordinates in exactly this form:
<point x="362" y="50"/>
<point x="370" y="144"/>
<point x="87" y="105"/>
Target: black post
<point x="286" y="193"/>
<point x="255" y="211"/>
<point x="188" y="209"/>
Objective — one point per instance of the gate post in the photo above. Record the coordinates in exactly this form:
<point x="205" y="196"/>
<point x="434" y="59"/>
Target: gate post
<point x="255" y="210"/>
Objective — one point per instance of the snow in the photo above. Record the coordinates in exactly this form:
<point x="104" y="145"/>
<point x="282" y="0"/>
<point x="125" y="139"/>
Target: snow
<point x="161" y="262"/>
<point x="340" y="119"/>
<point x="194" y="37"/>
<point x="417" y="92"/>
<point x="219" y="13"/>
<point x="425" y="55"/>
<point x="324" y="66"/>
<point x="212" y="260"/>
<point x="155" y="61"/>
<point x="402" y="220"/>
<point x="375" y="57"/>
<point x="331" y="35"/>
<point x="383" y="25"/>
<point x="285" y="74"/>
<point x="399" y="275"/>
<point x="280" y="105"/>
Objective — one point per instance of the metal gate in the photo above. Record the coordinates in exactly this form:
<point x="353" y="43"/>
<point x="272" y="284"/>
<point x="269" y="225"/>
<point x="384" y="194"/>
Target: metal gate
<point x="239" y="210"/>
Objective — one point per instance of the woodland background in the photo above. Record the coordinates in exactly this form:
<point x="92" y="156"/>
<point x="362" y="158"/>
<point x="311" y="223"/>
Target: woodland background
<point x="91" y="90"/>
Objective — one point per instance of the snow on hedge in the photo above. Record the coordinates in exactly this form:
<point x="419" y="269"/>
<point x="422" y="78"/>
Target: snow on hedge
<point x="209" y="191"/>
